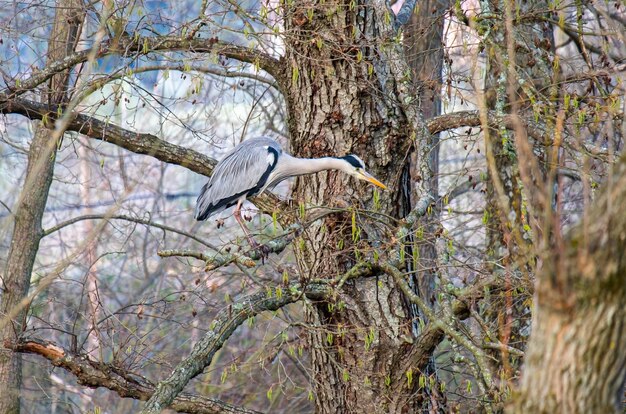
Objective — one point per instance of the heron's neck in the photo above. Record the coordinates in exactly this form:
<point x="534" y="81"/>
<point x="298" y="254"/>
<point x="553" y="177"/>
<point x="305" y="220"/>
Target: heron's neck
<point x="299" y="166"/>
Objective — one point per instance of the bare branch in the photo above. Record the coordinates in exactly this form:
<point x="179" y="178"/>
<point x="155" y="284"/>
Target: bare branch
<point x="472" y="119"/>
<point x="234" y="315"/>
<point x="499" y="346"/>
<point x="137" y="45"/>
<point x="457" y="191"/>
<point x="189" y="253"/>
<point x="420" y="209"/>
<point x="138" y="220"/>
<point x="224" y="257"/>
<point x="100" y="81"/>
<point x="95" y="374"/>
<point x="220" y="330"/>
<point x="210" y="71"/>
<point x="441" y="322"/>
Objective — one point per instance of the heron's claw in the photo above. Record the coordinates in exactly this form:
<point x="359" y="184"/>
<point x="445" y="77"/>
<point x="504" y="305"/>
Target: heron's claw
<point x="262" y="250"/>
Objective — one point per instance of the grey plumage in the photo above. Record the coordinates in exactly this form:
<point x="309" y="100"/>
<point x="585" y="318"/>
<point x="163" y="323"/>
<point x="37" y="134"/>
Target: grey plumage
<point x="237" y="176"/>
<point x="260" y="163"/>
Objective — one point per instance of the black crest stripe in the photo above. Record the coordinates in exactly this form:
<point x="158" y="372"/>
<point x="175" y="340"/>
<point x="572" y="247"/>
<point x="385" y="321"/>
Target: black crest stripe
<point x="353" y="161"/>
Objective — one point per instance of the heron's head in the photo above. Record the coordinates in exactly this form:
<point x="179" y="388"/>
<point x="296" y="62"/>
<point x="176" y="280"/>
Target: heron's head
<point x="356" y="168"/>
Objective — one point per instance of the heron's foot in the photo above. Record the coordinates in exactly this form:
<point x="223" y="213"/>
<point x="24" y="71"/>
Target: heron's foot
<point x="262" y="250"/>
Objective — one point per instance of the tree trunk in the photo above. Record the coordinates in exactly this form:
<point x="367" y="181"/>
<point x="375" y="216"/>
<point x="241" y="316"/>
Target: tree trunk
<point x="512" y="188"/>
<point x="575" y="362"/>
<point x="424" y="50"/>
<point x="24" y="245"/>
<point x="423" y="45"/>
<point x="29" y="212"/>
<point x="343" y="99"/>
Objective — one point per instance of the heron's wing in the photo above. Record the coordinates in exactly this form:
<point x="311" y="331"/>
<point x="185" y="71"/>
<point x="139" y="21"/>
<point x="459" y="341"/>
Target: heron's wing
<point x="243" y="172"/>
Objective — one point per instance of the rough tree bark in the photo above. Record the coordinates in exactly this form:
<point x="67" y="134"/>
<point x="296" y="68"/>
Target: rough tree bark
<point x="345" y="97"/>
<point x="346" y="91"/>
<point x="575" y="362"/>
<point x="27" y="230"/>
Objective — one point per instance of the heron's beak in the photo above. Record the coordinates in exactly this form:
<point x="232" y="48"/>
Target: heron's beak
<point x="368" y="177"/>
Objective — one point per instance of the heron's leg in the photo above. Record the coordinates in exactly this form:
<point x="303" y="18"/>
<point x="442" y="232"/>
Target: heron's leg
<point x="237" y="214"/>
<point x="262" y="250"/>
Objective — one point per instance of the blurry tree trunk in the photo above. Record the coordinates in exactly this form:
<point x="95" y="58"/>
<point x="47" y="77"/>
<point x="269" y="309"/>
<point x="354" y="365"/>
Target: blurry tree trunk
<point x="575" y="362"/>
<point x="90" y="258"/>
<point x="519" y="74"/>
<point x="343" y="99"/>
<point x="512" y="183"/>
<point x="424" y="52"/>
<point x="24" y="244"/>
<point x="423" y="46"/>
<point x="27" y="229"/>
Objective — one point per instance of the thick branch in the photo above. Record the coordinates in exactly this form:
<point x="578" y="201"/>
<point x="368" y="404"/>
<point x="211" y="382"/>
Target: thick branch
<point x="220" y="330"/>
<point x="433" y="334"/>
<point x="150" y="144"/>
<point x="440" y="322"/>
<point x="137" y="220"/>
<point x="186" y="67"/>
<point x="95" y="374"/>
<point x="234" y="315"/>
<point x="472" y="119"/>
<point x="139" y="143"/>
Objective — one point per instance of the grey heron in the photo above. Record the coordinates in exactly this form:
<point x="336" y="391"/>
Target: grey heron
<point x="260" y="163"/>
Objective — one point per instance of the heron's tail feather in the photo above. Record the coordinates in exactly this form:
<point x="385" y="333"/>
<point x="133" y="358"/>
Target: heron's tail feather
<point x="202" y="215"/>
<point x="207" y="205"/>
